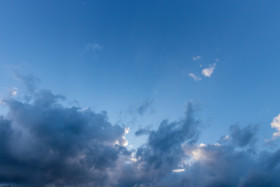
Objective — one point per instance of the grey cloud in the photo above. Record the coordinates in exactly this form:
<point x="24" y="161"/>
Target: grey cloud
<point x="28" y="80"/>
<point x="141" y="132"/>
<point x="44" y="143"/>
<point x="142" y="109"/>
<point x="213" y="165"/>
<point x="163" y="151"/>
<point x="245" y="136"/>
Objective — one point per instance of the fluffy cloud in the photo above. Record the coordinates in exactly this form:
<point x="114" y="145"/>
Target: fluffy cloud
<point x="46" y="144"/>
<point x="207" y="72"/>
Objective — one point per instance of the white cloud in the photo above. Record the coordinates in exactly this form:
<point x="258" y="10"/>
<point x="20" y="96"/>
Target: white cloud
<point x="194" y="77"/>
<point x="207" y="72"/>
<point x="276" y="124"/>
<point x="178" y="170"/>
<point x="196" y="58"/>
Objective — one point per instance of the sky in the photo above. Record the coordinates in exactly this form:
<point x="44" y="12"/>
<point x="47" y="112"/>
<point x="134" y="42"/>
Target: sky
<point x="141" y="93"/>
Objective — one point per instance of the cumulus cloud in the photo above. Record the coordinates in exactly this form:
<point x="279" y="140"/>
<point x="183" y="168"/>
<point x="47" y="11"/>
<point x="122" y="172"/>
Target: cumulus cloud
<point x="44" y="143"/>
<point x="207" y="72"/>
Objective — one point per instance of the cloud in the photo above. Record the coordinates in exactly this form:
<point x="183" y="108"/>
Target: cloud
<point x="44" y="143"/>
<point x="144" y="131"/>
<point x="276" y="124"/>
<point x="29" y="81"/>
<point x="144" y="106"/>
<point x="195" y="77"/>
<point x="196" y="58"/>
<point x="163" y="152"/>
<point x="172" y="158"/>
<point x="93" y="48"/>
<point x="243" y="136"/>
<point x="207" y="72"/>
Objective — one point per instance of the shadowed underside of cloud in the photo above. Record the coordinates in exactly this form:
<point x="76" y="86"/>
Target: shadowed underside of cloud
<point x="43" y="143"/>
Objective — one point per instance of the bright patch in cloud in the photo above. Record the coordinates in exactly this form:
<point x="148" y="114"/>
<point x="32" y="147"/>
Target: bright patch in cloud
<point x="197" y="154"/>
<point x="276" y="124"/>
<point x="126" y="130"/>
<point x="207" y="72"/>
<point x="14" y="93"/>
<point x="178" y="170"/>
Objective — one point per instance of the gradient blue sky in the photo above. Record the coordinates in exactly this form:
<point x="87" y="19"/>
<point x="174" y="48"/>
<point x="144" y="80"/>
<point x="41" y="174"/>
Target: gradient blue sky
<point x="118" y="55"/>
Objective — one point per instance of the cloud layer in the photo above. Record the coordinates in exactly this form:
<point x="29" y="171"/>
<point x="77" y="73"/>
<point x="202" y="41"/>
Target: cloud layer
<point x="44" y="143"/>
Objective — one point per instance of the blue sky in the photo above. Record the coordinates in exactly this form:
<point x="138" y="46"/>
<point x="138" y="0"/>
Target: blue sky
<point x="119" y="56"/>
<point x="113" y="55"/>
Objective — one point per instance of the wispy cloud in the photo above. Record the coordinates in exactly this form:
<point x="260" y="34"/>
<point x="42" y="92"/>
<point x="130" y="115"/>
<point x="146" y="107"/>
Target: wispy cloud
<point x="196" y="58"/>
<point x="144" y="106"/>
<point x="93" y="48"/>
<point x="207" y="72"/>
<point x="195" y="77"/>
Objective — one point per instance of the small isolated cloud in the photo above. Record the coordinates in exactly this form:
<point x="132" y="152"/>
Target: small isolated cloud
<point x="145" y="107"/>
<point x="142" y="109"/>
<point x="195" y="77"/>
<point x="196" y="58"/>
<point x="276" y="124"/>
<point x="144" y="131"/>
<point x="93" y="48"/>
<point x="207" y="72"/>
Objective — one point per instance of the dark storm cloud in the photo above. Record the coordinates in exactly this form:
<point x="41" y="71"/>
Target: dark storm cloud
<point x="43" y="143"/>
<point x="226" y="164"/>
<point x="163" y="151"/>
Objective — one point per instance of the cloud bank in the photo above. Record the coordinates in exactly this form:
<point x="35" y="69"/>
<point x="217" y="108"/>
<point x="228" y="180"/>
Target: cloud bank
<point x="44" y="143"/>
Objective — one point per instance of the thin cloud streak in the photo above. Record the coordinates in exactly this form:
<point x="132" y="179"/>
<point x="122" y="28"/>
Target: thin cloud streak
<point x="195" y="77"/>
